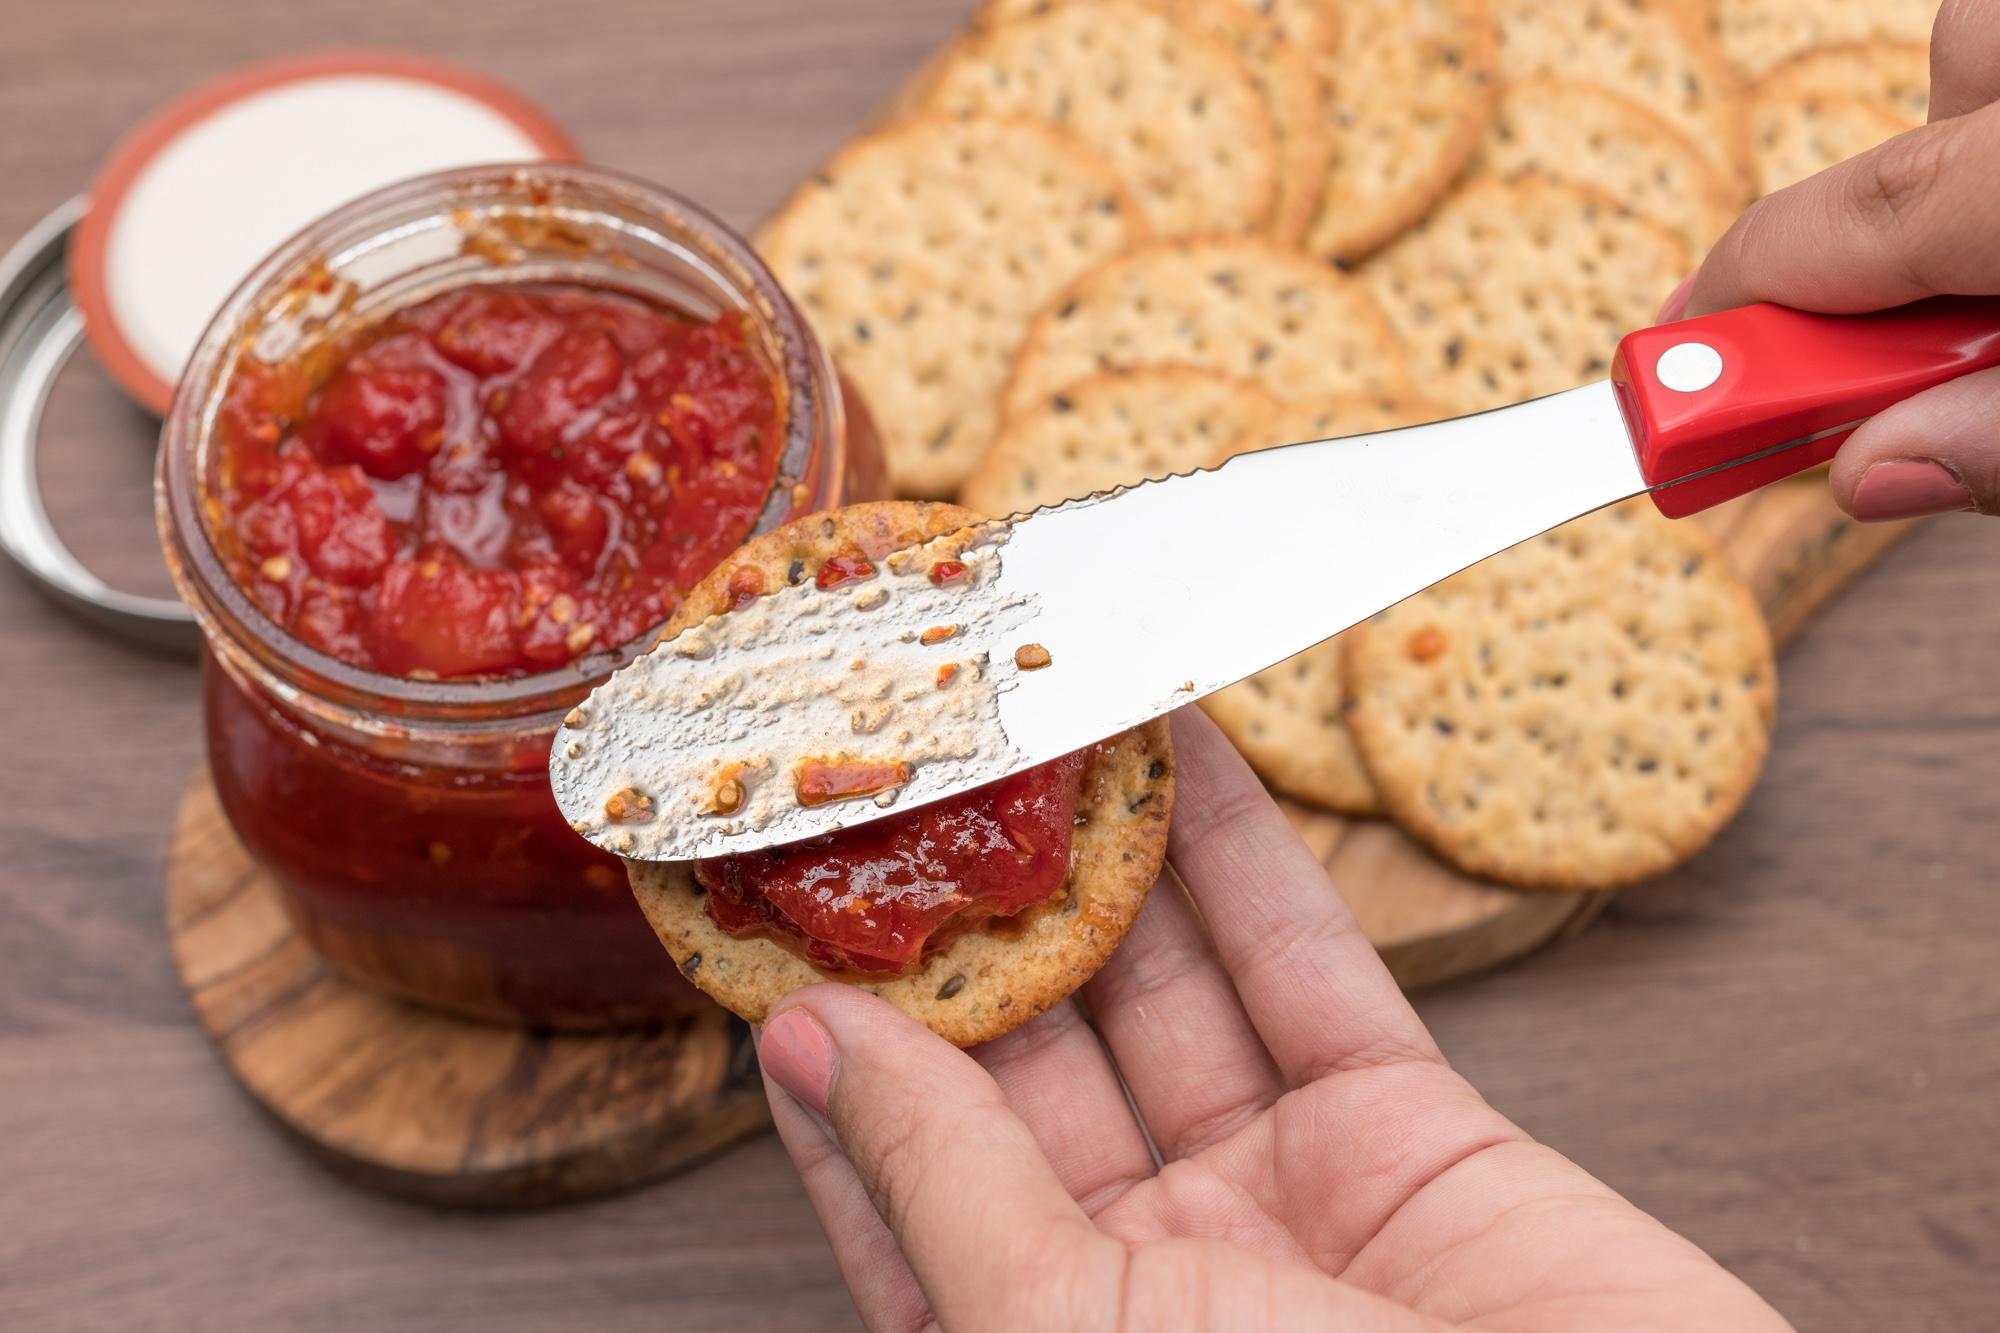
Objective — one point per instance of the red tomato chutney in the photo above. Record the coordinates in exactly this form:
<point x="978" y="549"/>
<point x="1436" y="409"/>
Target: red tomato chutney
<point x="486" y="485"/>
<point x="496" y="481"/>
<point x="878" y="899"/>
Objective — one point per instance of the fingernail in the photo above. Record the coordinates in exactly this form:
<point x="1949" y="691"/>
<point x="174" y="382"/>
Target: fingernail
<point x="1908" y="488"/>
<point x="797" y="1054"/>
<point x="1677" y="304"/>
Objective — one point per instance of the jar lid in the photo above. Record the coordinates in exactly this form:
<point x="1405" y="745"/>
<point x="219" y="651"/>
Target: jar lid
<point x="180" y="214"/>
<point x="208" y="185"/>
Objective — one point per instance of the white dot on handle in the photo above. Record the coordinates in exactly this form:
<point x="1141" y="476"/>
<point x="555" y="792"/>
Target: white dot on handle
<point x="1689" y="367"/>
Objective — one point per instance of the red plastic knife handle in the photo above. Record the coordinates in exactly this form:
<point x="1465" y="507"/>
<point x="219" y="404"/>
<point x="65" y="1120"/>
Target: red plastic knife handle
<point x="1719" y="406"/>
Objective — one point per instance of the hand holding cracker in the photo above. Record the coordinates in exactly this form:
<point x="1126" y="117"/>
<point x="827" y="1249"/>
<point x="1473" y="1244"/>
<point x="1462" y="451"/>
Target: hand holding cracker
<point x="1914" y="217"/>
<point x="1324" y="1165"/>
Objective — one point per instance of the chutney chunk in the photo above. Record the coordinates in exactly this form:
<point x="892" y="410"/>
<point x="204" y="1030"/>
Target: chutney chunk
<point x="874" y="899"/>
<point x="496" y="481"/>
<point x="821" y="781"/>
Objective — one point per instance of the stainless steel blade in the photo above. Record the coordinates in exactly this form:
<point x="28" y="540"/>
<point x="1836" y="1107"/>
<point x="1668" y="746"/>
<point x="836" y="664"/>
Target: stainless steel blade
<point x="1144" y="599"/>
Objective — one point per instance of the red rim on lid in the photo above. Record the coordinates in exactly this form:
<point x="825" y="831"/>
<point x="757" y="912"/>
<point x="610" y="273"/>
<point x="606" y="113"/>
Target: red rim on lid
<point x="204" y="188"/>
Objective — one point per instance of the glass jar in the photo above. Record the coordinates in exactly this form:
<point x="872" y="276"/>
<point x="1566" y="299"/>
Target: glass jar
<point x="409" y="822"/>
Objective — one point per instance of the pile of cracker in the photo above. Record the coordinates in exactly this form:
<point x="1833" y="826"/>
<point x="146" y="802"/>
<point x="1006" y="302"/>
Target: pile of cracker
<point x="1106" y="240"/>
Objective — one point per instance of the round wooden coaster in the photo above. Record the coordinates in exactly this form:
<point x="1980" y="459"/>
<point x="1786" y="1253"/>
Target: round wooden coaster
<point x="420" y="1103"/>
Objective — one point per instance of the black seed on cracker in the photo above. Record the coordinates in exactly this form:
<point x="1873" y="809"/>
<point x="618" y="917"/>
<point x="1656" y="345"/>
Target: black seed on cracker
<point x="1156" y="770"/>
<point x="951" y="987"/>
<point x="692" y="965"/>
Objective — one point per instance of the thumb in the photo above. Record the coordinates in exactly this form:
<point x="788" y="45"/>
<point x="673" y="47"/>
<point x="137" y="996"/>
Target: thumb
<point x="954" y="1173"/>
<point x="1932" y="454"/>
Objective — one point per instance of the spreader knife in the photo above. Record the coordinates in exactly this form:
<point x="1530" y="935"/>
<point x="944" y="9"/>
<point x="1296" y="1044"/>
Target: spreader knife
<point x="1078" y="621"/>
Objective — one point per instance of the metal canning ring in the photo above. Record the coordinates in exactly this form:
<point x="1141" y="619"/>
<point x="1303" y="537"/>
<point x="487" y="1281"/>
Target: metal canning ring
<point x="40" y="328"/>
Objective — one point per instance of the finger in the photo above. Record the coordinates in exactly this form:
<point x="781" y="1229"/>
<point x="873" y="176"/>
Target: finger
<point x="1910" y="218"/>
<point x="1309" y="980"/>
<point x="885" y="1292"/>
<point x="1931" y="454"/>
<point x="1197" y="1068"/>
<point x="1965" y="57"/>
<point x="1055" y="1075"/>
<point x="950" y="1168"/>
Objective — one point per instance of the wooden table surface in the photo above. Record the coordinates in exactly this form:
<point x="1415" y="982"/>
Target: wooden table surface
<point x="1790" y="1050"/>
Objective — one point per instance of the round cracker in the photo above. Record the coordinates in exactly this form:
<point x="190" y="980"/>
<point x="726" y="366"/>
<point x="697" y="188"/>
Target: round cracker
<point x="1759" y="35"/>
<point x="1114" y="429"/>
<point x="1517" y="288"/>
<point x="1800" y="137"/>
<point x="985" y="982"/>
<point x="1246" y="308"/>
<point x="1287" y="720"/>
<point x="1173" y="112"/>
<point x="1894" y="75"/>
<point x="1273" y="41"/>
<point x="1408" y="94"/>
<point x="1306" y="25"/>
<point x="920" y="253"/>
<point x="1293" y="93"/>
<point x="1657" y="51"/>
<point x="1584" y="134"/>
<point x="1583" y="711"/>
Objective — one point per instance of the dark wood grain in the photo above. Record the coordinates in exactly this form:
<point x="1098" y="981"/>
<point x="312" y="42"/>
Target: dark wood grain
<point x="1786" y="1050"/>
<point x="423" y="1104"/>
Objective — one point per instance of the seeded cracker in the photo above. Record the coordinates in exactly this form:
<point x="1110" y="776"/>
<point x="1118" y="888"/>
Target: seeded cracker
<point x="1518" y="288"/>
<point x="1798" y="138"/>
<point x="919" y="255"/>
<point x="1113" y="429"/>
<point x="1581" y="712"/>
<point x="1584" y="134"/>
<point x="1246" y="308"/>
<point x="1175" y="113"/>
<point x="1408" y="94"/>
<point x="1758" y="35"/>
<point x="1655" y="51"/>
<point x="983" y="983"/>
<point x="1277" y="48"/>
<point x="1288" y="720"/>
<point x="1292" y="92"/>
<point x="1893" y="75"/>
<point x="1306" y="25"/>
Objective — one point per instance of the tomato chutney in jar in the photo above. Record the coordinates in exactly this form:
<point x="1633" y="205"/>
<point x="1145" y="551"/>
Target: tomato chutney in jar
<point x="441" y="464"/>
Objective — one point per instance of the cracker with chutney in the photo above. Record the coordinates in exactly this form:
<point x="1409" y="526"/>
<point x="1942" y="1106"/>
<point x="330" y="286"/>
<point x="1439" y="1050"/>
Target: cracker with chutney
<point x="972" y="946"/>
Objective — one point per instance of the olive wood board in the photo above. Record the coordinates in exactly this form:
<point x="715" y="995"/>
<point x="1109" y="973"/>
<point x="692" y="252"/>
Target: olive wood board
<point x="415" y="1101"/>
<point x="1433" y="924"/>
